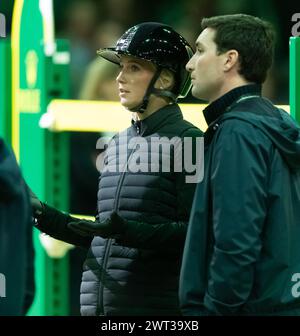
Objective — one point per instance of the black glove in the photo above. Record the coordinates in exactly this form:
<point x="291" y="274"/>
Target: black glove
<point x="37" y="205"/>
<point x="110" y="227"/>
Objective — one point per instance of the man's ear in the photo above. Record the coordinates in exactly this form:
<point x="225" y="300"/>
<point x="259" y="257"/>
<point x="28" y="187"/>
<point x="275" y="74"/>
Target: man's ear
<point x="166" y="80"/>
<point x="231" y="59"/>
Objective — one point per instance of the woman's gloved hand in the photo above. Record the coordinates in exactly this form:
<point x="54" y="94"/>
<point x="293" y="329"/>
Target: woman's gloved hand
<point x="109" y="227"/>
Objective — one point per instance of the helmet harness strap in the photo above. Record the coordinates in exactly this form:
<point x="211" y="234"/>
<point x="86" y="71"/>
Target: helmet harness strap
<point x="152" y="90"/>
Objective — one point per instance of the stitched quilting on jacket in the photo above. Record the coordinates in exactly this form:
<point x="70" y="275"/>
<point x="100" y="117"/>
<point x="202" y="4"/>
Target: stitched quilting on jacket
<point x="137" y="273"/>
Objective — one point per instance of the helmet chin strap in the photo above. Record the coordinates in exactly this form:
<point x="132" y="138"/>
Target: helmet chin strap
<point x="152" y="90"/>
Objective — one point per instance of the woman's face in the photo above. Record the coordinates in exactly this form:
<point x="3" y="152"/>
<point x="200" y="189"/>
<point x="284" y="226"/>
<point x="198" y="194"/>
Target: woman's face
<point x="133" y="80"/>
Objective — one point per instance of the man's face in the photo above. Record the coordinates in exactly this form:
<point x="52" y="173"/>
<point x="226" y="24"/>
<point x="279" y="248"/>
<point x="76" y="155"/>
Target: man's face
<point x="206" y="68"/>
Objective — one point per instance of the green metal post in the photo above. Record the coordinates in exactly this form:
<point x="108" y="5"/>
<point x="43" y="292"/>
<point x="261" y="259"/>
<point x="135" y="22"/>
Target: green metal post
<point x="295" y="77"/>
<point x="5" y="90"/>
<point x="57" y="171"/>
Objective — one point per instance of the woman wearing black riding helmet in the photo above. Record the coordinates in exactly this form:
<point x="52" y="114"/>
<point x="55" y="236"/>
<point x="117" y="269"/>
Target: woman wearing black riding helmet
<point x="165" y="49"/>
<point x="135" y="244"/>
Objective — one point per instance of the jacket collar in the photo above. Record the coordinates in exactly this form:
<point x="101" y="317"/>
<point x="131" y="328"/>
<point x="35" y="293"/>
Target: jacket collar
<point x="218" y="107"/>
<point x="166" y="115"/>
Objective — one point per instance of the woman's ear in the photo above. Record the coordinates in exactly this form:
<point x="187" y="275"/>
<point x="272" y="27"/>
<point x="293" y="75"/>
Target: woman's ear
<point x="165" y="81"/>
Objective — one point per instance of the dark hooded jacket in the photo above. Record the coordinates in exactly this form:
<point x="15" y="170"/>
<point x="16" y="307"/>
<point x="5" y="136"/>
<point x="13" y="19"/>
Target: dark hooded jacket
<point x="242" y="253"/>
<point x="16" y="246"/>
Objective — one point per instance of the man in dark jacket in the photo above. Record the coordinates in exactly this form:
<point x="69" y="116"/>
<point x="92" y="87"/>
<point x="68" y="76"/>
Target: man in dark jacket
<point x="242" y="252"/>
<point x="145" y="194"/>
<point x="16" y="246"/>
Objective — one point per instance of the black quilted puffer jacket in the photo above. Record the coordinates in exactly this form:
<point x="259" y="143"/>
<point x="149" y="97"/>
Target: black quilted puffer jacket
<point x="138" y="273"/>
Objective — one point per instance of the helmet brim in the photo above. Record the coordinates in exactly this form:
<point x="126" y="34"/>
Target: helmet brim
<point x="110" y="54"/>
<point x="114" y="56"/>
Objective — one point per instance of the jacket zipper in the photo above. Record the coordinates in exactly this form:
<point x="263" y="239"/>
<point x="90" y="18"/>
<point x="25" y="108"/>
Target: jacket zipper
<point x="100" y="291"/>
<point x="121" y="182"/>
<point x="108" y="242"/>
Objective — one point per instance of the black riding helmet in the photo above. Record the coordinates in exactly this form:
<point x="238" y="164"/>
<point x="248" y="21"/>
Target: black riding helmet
<point x="161" y="45"/>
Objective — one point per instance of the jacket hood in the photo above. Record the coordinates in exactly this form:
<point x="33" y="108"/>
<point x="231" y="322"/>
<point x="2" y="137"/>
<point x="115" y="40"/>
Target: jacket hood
<point x="276" y="124"/>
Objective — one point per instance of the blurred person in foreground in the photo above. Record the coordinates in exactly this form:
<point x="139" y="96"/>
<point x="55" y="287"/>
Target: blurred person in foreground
<point x="145" y="189"/>
<point x="242" y="252"/>
<point x="17" y="285"/>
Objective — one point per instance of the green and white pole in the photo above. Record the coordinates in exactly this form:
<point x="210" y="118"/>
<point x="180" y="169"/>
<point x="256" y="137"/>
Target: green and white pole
<point x="5" y="89"/>
<point x="295" y="77"/>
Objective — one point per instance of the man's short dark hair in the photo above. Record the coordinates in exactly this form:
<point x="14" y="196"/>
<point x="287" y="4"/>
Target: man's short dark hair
<point x="252" y="37"/>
